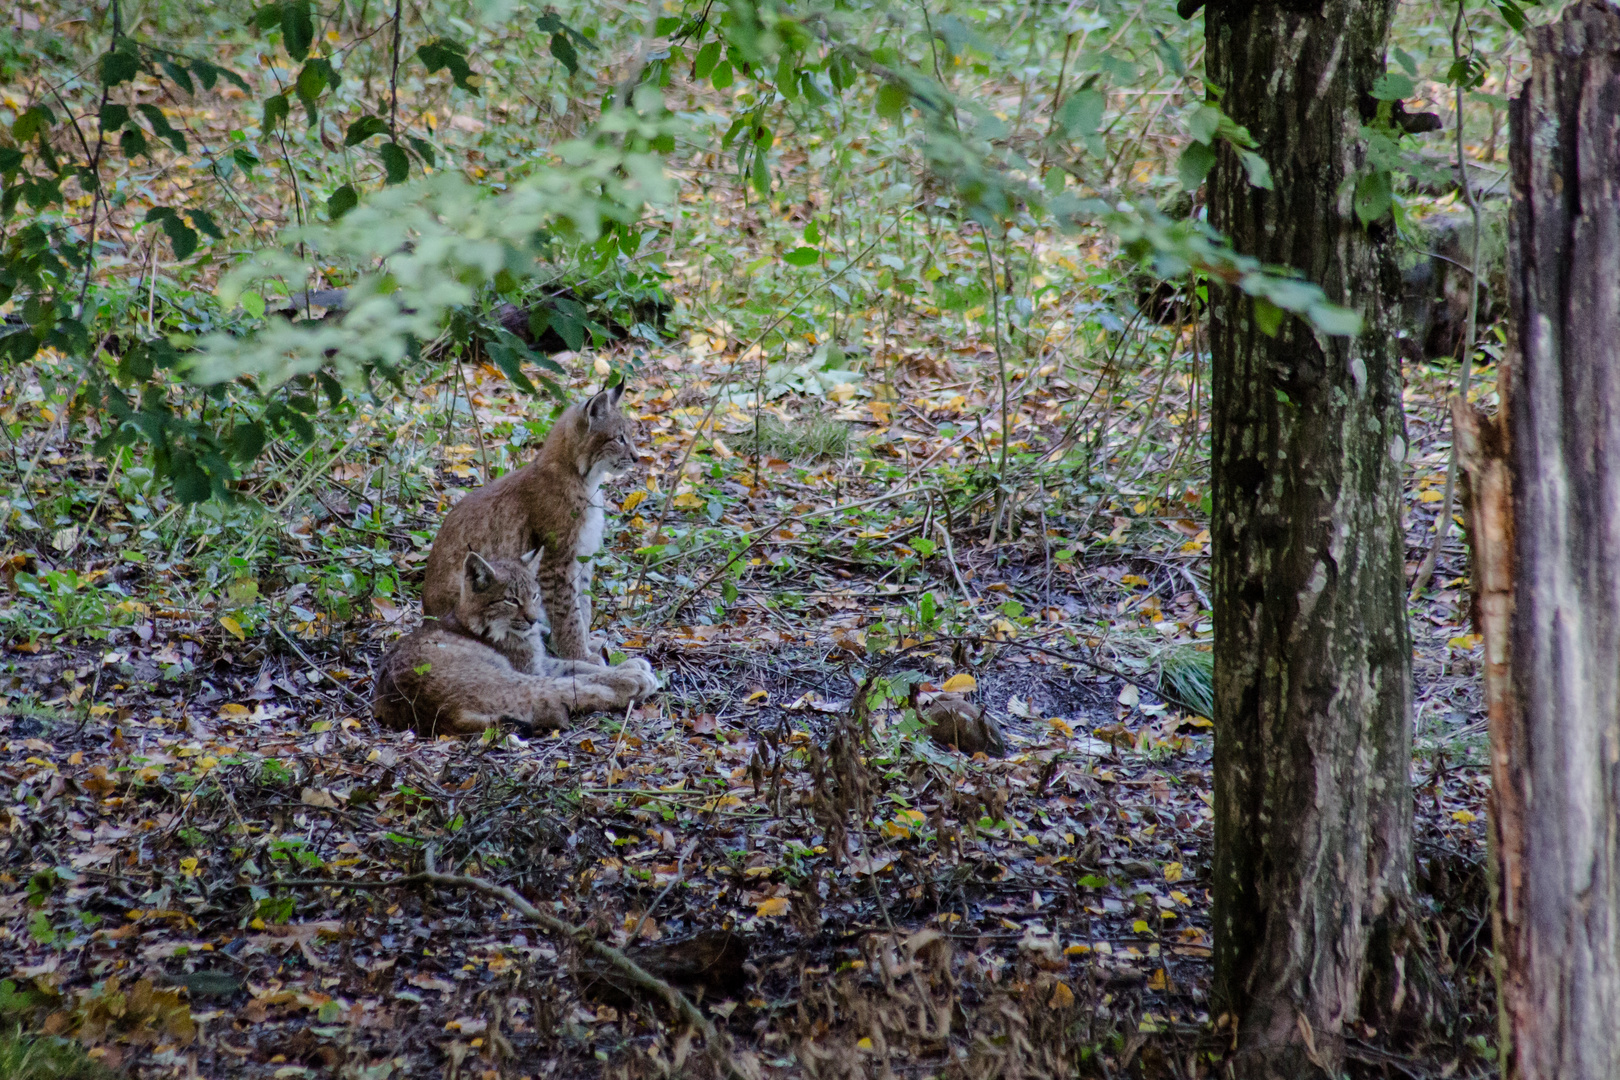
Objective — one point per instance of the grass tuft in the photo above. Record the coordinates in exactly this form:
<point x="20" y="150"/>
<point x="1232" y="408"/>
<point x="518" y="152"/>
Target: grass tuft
<point x="1187" y="679"/>
<point x="42" y="1057"/>
<point x="808" y="437"/>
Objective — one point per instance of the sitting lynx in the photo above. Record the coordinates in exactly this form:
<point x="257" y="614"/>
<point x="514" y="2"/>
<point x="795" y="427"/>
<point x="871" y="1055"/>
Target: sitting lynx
<point x="555" y="504"/>
<point x="483" y="663"/>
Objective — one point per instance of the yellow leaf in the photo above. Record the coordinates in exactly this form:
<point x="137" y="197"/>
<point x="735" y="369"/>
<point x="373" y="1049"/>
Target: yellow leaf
<point x="1060" y="725"/>
<point x="1062" y="997"/>
<point x="1464" y="816"/>
<point x="1077" y="949"/>
<point x="687" y="501"/>
<point x="1172" y="872"/>
<point x="1133" y="579"/>
<point x="633" y="500"/>
<point x="1157" y="981"/>
<point x="1465" y="642"/>
<point x="864" y="1043"/>
<point x="896" y="830"/>
<point x="233" y="626"/>
<point x="961" y="683"/>
<point x="1429" y="496"/>
<point x="757" y="695"/>
<point x="232" y="709"/>
<point x="188" y="867"/>
<point x="776" y="905"/>
<point x="1140" y="926"/>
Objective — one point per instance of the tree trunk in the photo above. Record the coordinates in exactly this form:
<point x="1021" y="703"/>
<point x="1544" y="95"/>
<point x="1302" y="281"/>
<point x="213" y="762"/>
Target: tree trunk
<point x="1313" y="806"/>
<point x="1544" y="522"/>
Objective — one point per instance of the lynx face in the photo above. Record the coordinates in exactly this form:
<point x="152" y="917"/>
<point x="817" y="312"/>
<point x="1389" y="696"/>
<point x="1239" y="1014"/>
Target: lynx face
<point x="608" y="446"/>
<point x="500" y="598"/>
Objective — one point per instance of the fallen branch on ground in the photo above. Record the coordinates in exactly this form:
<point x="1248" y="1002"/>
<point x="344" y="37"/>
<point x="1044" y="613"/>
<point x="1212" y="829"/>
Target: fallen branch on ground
<point x="616" y="959"/>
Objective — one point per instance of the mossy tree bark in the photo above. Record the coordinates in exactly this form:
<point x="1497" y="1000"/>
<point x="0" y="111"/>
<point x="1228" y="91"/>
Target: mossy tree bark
<point x="1544" y="523"/>
<point x="1313" y="807"/>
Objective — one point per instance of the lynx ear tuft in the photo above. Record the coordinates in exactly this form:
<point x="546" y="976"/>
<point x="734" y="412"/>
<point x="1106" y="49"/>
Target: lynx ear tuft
<point x="532" y="559"/>
<point x="479" y="574"/>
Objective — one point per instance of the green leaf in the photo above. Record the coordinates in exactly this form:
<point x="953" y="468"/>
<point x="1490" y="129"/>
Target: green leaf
<point x="181" y="77"/>
<point x="1267" y="316"/>
<point x="723" y="75"/>
<point x="1513" y="13"/>
<point x="448" y="53"/>
<point x="364" y="128"/>
<point x="1169" y="54"/>
<point x="312" y="81"/>
<point x="707" y="58"/>
<point x="1081" y="113"/>
<point x="190" y="482"/>
<point x="113" y="116"/>
<point x="36" y="119"/>
<point x="1195" y="163"/>
<point x="1373" y="197"/>
<point x="205" y="223"/>
<point x="570" y="329"/>
<point x="157" y="213"/>
<point x="247" y="440"/>
<point x="245" y="159"/>
<point x="119" y="66"/>
<point x="1393" y="86"/>
<point x="276" y="108"/>
<point x="1333" y="320"/>
<point x="1255" y="165"/>
<point x="252" y="303"/>
<point x="133" y="143"/>
<point x="892" y="100"/>
<point x="181" y="236"/>
<point x="342" y="201"/>
<point x="801" y="256"/>
<point x="424" y="150"/>
<point x="395" y="163"/>
<point x="297" y="28"/>
<point x="1205" y="124"/>
<point x="564" y="51"/>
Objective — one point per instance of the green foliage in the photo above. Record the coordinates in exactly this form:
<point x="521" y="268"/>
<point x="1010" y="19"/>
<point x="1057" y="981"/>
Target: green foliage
<point x="424" y="249"/>
<point x="45" y="1057"/>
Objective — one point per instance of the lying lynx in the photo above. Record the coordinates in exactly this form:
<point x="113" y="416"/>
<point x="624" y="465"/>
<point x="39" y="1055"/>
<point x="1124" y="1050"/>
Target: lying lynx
<point x="555" y="504"/>
<point x="483" y="663"/>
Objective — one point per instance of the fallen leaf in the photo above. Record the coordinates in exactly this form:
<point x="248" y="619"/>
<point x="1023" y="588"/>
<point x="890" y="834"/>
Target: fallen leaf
<point x="961" y="683"/>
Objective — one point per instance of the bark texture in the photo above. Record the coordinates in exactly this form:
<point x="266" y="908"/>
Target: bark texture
<point x="1312" y="655"/>
<point x="1545" y="526"/>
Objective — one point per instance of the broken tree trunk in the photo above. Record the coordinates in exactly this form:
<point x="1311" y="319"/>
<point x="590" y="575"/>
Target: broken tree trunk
<point x="1543" y="502"/>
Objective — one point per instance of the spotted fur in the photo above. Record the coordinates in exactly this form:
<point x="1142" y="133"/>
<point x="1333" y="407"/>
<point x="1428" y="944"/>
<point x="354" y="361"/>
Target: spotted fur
<point x="484" y="664"/>
<point x="553" y="504"/>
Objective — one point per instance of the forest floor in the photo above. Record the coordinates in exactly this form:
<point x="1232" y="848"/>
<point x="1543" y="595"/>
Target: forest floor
<point x="843" y="896"/>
